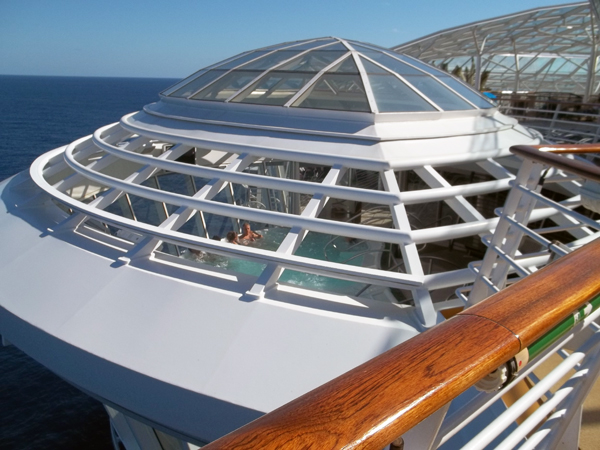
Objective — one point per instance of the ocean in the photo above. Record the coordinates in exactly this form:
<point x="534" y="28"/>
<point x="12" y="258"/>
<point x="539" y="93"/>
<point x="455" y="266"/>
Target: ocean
<point x="38" y="410"/>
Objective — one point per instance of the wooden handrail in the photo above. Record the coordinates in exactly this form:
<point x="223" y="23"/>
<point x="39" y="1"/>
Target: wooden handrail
<point x="371" y="405"/>
<point x="546" y="154"/>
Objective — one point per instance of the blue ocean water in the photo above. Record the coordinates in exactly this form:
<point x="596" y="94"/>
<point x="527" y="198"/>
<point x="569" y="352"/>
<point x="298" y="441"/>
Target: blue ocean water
<point x="38" y="410"/>
<point x="38" y="114"/>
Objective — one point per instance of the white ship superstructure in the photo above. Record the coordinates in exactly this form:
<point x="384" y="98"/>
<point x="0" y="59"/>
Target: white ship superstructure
<point x="369" y="175"/>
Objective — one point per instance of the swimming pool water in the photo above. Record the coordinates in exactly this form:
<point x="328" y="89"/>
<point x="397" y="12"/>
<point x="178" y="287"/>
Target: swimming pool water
<point x="315" y="245"/>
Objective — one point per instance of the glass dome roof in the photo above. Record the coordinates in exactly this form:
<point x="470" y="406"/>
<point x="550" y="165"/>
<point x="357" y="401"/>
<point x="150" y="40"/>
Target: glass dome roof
<point x="547" y="49"/>
<point x="332" y="74"/>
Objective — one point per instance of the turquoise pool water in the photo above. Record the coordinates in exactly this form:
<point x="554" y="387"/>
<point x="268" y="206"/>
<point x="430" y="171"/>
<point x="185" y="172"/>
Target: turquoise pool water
<point x="315" y="245"/>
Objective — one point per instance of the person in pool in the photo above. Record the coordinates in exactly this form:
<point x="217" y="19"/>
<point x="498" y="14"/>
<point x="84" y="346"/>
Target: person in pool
<point x="232" y="238"/>
<point x="247" y="233"/>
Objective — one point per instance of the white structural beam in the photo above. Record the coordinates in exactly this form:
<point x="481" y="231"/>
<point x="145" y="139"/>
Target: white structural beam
<point x="459" y="204"/>
<point x="410" y="254"/>
<point x="593" y="61"/>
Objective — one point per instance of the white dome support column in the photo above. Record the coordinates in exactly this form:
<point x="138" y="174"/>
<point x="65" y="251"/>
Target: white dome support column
<point x="478" y="60"/>
<point x="459" y="204"/>
<point x="592" y="64"/>
<point x="410" y="255"/>
<point x="517" y="68"/>
<point x="367" y="85"/>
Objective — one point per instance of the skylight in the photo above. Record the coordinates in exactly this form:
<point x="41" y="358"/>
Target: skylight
<point x="331" y="74"/>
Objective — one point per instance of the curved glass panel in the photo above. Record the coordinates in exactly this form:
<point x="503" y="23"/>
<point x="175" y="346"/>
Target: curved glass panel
<point x="415" y="62"/>
<point x="312" y="44"/>
<point x="270" y="60"/>
<point x="367" y="45"/>
<point x="392" y="95"/>
<point x="243" y="59"/>
<point x="225" y="87"/>
<point x="346" y="66"/>
<point x="338" y="46"/>
<point x="341" y="89"/>
<point x="438" y="93"/>
<point x="314" y="61"/>
<point x="197" y="83"/>
<point x="183" y="82"/>
<point x="270" y="48"/>
<point x="372" y="68"/>
<point x="466" y="92"/>
<point x="275" y="75"/>
<point x="344" y="92"/>
<point x="275" y="88"/>
<point x="196" y="74"/>
<point x="391" y="63"/>
<point x="513" y="43"/>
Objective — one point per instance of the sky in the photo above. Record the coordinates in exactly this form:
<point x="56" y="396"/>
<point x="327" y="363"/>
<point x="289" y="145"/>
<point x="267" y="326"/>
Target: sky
<point x="172" y="39"/>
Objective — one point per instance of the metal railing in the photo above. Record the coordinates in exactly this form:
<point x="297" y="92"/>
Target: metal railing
<point x="558" y="119"/>
<point x="503" y="246"/>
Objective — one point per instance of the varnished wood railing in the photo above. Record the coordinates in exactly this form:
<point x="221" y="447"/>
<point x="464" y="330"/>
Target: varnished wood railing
<point x="371" y="405"/>
<point x="548" y="154"/>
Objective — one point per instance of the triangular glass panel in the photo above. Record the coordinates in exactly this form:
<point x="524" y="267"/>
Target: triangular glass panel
<point x="388" y="61"/>
<point x="270" y="60"/>
<point x="312" y="44"/>
<point x="347" y="66"/>
<point x="438" y="93"/>
<point x="198" y="83"/>
<point x="274" y="88"/>
<point x="226" y="86"/>
<point x="339" y="89"/>
<point x="392" y="95"/>
<point x="313" y="61"/>
<point x="372" y="68"/>
<point x="466" y="92"/>
<point x="243" y="59"/>
<point x="337" y="47"/>
<point x="279" y="46"/>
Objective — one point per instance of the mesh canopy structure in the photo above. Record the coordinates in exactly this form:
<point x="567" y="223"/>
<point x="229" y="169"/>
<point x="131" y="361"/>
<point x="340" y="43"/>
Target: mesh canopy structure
<point x="330" y="74"/>
<point x="551" y="49"/>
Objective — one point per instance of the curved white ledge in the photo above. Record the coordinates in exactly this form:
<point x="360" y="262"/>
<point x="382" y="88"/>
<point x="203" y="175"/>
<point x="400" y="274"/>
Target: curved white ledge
<point x="341" y="192"/>
<point x="327" y="268"/>
<point x="257" y="215"/>
<point x="302" y="187"/>
<point x="299" y="121"/>
<point x="184" y="137"/>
